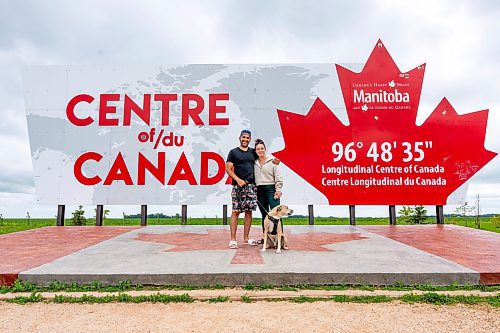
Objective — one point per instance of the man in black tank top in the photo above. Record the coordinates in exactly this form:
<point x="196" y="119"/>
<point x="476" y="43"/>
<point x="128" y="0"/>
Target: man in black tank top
<point x="240" y="167"/>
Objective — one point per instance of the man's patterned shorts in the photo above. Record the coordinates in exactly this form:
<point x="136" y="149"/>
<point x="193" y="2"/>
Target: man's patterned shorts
<point x="244" y="198"/>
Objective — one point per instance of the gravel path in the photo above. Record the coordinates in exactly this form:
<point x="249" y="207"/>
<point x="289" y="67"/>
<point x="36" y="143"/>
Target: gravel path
<point x="247" y="317"/>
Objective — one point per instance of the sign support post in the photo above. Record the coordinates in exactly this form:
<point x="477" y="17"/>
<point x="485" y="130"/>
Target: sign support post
<point x="392" y="215"/>
<point x="144" y="215"/>
<point x="352" y="215"/>
<point x="311" y="214"/>
<point x="224" y="214"/>
<point x="60" y="215"/>
<point x="99" y="215"/>
<point x="184" y="214"/>
<point x="439" y="215"/>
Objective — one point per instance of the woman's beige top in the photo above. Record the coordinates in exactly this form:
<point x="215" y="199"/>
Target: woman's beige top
<point x="268" y="174"/>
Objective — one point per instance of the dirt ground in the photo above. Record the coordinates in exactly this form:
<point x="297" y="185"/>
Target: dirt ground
<point x="247" y="317"/>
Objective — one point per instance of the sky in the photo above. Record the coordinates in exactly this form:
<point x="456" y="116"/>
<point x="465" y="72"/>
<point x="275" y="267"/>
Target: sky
<point x="458" y="40"/>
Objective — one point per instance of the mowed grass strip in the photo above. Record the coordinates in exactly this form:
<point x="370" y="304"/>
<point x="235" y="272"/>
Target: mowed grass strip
<point x="20" y="286"/>
<point x="427" y="298"/>
<point x="121" y="298"/>
<point x="14" y="225"/>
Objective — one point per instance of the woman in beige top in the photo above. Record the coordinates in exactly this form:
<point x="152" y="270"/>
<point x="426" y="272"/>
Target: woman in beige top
<point x="268" y="180"/>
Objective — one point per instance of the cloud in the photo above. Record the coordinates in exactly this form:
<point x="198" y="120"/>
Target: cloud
<point x="16" y="171"/>
<point x="457" y="39"/>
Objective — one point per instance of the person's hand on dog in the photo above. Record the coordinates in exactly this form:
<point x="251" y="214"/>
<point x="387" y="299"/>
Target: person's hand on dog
<point x="277" y="195"/>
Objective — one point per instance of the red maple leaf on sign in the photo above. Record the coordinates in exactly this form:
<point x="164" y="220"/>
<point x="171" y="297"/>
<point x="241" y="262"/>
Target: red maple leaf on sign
<point x="382" y="156"/>
<point x="216" y="240"/>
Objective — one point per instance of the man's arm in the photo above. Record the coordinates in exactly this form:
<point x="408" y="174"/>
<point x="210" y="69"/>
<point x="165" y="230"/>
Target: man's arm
<point x="230" y="173"/>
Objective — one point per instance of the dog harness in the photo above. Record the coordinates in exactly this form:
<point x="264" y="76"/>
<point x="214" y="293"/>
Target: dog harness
<point x="275" y="224"/>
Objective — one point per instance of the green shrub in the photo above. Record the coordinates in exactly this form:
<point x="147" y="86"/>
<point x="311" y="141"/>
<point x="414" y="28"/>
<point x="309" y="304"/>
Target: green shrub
<point x="496" y="221"/>
<point x="78" y="217"/>
<point x="419" y="215"/>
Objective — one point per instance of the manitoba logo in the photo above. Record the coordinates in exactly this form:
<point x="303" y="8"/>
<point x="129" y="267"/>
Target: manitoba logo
<point x="382" y="96"/>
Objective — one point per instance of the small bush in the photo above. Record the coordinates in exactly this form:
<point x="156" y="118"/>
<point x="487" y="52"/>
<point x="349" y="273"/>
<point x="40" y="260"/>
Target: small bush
<point x="78" y="217"/>
<point x="405" y="214"/>
<point x="33" y="298"/>
<point x="419" y="215"/>
<point x="496" y="221"/>
<point x="218" y="299"/>
<point x="246" y="299"/>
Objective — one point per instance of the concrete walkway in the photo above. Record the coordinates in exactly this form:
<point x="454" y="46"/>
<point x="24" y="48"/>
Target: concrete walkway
<point x="198" y="255"/>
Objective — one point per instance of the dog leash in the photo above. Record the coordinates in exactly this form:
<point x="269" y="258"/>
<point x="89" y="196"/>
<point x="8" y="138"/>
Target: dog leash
<point x="261" y="205"/>
<point x="272" y="218"/>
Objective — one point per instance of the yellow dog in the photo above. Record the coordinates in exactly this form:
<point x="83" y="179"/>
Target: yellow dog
<point x="273" y="228"/>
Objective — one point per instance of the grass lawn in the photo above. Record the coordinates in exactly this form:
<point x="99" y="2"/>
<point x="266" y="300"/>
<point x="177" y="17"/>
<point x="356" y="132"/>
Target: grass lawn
<point x="13" y="225"/>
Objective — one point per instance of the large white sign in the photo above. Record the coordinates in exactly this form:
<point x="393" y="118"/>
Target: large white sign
<point x="160" y="135"/>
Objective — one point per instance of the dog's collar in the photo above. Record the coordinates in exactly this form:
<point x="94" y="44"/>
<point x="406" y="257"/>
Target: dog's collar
<point x="272" y="218"/>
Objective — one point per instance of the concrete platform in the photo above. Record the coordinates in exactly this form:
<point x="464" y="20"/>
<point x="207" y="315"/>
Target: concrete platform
<point x="198" y="255"/>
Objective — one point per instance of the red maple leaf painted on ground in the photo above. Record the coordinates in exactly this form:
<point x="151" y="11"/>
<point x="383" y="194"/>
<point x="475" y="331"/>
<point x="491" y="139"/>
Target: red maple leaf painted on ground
<point x="429" y="161"/>
<point x="216" y="240"/>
